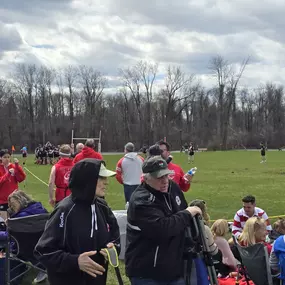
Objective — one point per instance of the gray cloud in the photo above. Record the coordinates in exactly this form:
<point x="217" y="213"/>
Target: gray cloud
<point x="118" y="33"/>
<point x="10" y="39"/>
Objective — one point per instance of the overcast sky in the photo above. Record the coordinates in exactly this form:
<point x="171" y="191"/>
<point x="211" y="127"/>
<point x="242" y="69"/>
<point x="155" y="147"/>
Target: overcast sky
<point x="110" y="34"/>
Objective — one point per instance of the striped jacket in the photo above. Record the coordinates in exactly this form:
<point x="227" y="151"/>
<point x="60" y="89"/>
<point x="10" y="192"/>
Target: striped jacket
<point x="241" y="217"/>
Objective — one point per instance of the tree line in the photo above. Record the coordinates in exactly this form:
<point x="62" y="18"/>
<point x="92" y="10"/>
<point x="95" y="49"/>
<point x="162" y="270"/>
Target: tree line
<point x="39" y="104"/>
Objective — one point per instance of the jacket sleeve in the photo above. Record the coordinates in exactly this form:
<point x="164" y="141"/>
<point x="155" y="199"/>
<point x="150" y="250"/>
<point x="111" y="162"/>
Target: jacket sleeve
<point x="119" y="171"/>
<point x="50" y="249"/>
<point x="76" y="158"/>
<point x="5" y="177"/>
<point x="183" y="183"/>
<point x="236" y="228"/>
<point x="114" y="230"/>
<point x="154" y="225"/>
<point x="19" y="173"/>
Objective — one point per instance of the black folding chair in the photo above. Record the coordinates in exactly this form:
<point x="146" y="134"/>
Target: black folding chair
<point x="24" y="233"/>
<point x="255" y="263"/>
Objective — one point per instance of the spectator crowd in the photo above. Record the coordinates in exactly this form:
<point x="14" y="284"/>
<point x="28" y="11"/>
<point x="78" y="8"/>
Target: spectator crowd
<point x="82" y="225"/>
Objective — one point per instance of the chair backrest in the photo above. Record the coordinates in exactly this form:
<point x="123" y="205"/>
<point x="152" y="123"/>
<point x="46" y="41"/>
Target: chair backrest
<point x="26" y="231"/>
<point x="255" y="260"/>
<point x="121" y="216"/>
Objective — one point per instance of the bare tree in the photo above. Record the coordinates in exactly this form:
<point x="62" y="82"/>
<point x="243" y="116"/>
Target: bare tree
<point x="177" y="91"/>
<point x="139" y="80"/>
<point x="24" y="82"/>
<point x="227" y="79"/>
<point x="93" y="84"/>
<point x="71" y="78"/>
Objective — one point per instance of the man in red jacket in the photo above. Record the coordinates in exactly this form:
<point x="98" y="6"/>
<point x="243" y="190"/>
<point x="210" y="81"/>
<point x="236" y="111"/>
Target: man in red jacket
<point x="10" y="176"/>
<point x="179" y="177"/>
<point x="59" y="176"/>
<point x="88" y="152"/>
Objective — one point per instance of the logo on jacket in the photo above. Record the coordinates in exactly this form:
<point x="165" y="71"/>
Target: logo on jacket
<point x="151" y="198"/>
<point x="61" y="225"/>
<point x="66" y="177"/>
<point x="178" y="201"/>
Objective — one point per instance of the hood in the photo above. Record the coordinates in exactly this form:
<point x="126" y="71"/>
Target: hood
<point x="131" y="155"/>
<point x="83" y="180"/>
<point x="34" y="208"/>
<point x="87" y="151"/>
<point x="66" y="161"/>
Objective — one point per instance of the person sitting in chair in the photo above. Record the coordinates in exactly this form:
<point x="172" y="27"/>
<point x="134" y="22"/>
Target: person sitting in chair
<point x="206" y="218"/>
<point x="254" y="232"/>
<point x="228" y="262"/>
<point x="22" y="205"/>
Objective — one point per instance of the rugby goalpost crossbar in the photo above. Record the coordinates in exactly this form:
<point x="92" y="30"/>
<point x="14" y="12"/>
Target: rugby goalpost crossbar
<point x="79" y="139"/>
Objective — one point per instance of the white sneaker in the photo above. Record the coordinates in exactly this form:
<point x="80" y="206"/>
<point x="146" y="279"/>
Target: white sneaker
<point x="40" y="277"/>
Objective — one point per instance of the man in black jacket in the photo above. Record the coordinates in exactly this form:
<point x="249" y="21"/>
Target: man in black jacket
<point x="79" y="228"/>
<point x="157" y="219"/>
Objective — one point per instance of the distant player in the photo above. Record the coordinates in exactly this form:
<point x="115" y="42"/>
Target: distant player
<point x="191" y="153"/>
<point x="24" y="151"/>
<point x="263" y="154"/>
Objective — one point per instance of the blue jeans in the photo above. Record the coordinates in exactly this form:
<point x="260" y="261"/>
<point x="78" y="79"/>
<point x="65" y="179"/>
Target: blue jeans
<point x="128" y="190"/>
<point x="142" y="281"/>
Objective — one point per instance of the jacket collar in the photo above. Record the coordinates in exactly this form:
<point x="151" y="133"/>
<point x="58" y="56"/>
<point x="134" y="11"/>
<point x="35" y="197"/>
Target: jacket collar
<point x="156" y="192"/>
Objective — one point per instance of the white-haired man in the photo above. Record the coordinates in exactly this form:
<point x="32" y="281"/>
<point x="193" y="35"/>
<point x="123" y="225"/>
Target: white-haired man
<point x="158" y="216"/>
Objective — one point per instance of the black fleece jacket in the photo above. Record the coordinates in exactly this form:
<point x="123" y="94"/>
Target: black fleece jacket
<point x="156" y="233"/>
<point x="78" y="224"/>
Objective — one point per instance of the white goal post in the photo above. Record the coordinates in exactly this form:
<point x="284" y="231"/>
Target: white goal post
<point x="95" y="139"/>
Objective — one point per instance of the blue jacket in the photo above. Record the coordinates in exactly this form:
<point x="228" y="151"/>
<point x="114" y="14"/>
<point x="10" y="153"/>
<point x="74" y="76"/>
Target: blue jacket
<point x="279" y="249"/>
<point x="34" y="208"/>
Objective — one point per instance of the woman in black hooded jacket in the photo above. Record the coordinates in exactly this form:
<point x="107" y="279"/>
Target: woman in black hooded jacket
<point x="78" y="228"/>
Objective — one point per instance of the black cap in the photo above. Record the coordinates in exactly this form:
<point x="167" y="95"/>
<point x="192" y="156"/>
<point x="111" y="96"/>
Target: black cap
<point x="156" y="167"/>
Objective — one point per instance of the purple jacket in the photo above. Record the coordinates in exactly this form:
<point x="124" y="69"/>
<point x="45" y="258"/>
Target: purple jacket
<point x="34" y="208"/>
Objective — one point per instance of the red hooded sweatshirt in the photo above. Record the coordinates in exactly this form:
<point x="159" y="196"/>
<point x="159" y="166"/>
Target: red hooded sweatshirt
<point x="9" y="183"/>
<point x="178" y="176"/>
<point x="62" y="172"/>
<point x="87" y="152"/>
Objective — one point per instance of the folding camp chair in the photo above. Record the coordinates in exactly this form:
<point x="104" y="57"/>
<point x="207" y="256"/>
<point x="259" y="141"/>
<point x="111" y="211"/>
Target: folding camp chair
<point x="199" y="266"/>
<point x="24" y="233"/>
<point x="255" y="263"/>
<point x="121" y="216"/>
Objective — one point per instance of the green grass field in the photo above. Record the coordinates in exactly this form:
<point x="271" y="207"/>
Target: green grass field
<point x="222" y="179"/>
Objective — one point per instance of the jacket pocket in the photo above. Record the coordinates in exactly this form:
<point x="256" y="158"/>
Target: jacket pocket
<point x="155" y="256"/>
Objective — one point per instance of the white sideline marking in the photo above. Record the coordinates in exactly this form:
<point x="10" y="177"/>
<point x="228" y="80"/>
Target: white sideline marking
<point x="35" y="176"/>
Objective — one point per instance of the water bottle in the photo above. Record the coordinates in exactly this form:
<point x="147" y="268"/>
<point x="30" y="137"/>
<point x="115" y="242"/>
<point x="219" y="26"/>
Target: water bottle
<point x="192" y="171"/>
<point x="127" y="206"/>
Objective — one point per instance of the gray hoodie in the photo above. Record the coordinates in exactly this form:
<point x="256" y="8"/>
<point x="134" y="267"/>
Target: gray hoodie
<point x="129" y="169"/>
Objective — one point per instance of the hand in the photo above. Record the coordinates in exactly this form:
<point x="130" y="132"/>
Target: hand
<point x="52" y="202"/>
<point x="89" y="266"/>
<point x="188" y="177"/>
<point x="194" y="210"/>
<point x="16" y="160"/>
<point x="103" y="252"/>
<point x="12" y="171"/>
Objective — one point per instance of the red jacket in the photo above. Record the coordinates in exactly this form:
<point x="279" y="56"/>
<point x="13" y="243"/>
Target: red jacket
<point x="178" y="176"/>
<point x="62" y="171"/>
<point x="87" y="152"/>
<point x="9" y="183"/>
